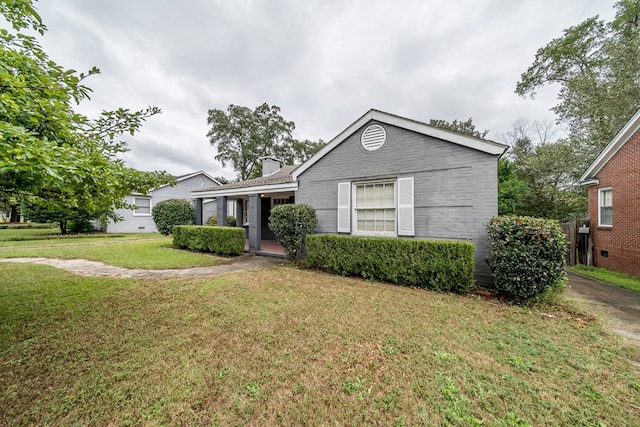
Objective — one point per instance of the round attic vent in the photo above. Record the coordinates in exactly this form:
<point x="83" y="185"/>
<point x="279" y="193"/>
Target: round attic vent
<point x="373" y="137"/>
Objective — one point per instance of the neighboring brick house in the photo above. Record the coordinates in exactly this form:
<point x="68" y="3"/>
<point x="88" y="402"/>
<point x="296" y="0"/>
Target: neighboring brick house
<point x="614" y="201"/>
<point x="384" y="175"/>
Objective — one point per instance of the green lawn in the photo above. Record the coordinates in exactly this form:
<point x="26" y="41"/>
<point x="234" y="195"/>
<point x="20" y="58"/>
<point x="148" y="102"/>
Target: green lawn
<point x="610" y="277"/>
<point x="52" y="236"/>
<point x="155" y="253"/>
<point x="143" y="250"/>
<point x="8" y="234"/>
<point x="283" y="346"/>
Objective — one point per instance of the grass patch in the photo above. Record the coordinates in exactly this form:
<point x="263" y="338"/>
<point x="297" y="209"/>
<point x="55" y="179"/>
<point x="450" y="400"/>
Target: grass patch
<point x="51" y="237"/>
<point x="18" y="233"/>
<point x="283" y="346"/>
<point x="157" y="253"/>
<point x="611" y="277"/>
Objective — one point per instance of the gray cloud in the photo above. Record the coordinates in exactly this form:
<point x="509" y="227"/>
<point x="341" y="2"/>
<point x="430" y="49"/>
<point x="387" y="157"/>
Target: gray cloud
<point x="324" y="63"/>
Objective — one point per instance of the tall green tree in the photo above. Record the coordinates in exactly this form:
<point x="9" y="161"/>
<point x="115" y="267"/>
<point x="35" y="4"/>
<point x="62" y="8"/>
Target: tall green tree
<point x="539" y="176"/>
<point x="50" y="155"/>
<point x="467" y="127"/>
<point x="512" y="191"/>
<point x="242" y="136"/>
<point x="293" y="151"/>
<point x="597" y="67"/>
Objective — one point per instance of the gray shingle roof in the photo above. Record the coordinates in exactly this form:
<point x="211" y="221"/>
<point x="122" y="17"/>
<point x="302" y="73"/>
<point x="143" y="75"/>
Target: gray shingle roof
<point x="282" y="176"/>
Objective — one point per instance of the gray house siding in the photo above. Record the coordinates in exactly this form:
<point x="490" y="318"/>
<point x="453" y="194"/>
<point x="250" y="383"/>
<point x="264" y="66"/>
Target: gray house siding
<point x="455" y="187"/>
<point x="144" y="223"/>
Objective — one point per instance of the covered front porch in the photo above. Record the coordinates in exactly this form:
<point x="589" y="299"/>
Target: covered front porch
<point x="253" y="200"/>
<point x="252" y="213"/>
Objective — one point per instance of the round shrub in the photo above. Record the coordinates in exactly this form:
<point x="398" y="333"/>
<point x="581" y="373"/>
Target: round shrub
<point x="527" y="257"/>
<point x="213" y="220"/>
<point x="172" y="212"/>
<point x="291" y="224"/>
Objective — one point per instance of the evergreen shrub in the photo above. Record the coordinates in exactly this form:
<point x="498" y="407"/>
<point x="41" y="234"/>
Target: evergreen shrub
<point x="291" y="224"/>
<point x="172" y="212"/>
<point x="527" y="257"/>
<point x="213" y="220"/>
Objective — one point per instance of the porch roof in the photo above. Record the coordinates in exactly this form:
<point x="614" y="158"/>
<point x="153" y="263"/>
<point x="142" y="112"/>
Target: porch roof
<point x="278" y="182"/>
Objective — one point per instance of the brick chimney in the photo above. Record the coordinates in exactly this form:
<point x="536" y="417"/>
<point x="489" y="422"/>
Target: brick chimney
<point x="270" y="165"/>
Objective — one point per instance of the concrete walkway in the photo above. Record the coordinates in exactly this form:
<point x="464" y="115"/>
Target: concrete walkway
<point x="99" y="269"/>
<point x="619" y="307"/>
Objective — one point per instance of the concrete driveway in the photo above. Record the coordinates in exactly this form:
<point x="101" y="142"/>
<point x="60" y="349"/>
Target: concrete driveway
<point x="618" y="307"/>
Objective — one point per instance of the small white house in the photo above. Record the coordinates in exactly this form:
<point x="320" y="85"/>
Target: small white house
<point x="139" y="220"/>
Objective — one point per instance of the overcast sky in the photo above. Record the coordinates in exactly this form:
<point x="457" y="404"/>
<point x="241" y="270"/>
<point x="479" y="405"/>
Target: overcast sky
<point x="324" y="63"/>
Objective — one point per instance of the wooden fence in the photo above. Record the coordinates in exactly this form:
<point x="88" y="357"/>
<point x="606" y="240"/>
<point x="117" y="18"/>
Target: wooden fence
<point x="578" y="242"/>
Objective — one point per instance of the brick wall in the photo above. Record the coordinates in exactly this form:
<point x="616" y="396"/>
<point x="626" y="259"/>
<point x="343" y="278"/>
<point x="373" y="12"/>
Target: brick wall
<point x="622" y="240"/>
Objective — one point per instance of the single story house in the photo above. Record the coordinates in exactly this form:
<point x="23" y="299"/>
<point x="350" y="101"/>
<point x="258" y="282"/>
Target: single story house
<point x="614" y="201"/>
<point x="384" y="175"/>
<point x="139" y="220"/>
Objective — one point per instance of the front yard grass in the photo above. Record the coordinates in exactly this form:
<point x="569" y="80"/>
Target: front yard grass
<point x="10" y="233"/>
<point x="155" y="253"/>
<point x="51" y="237"/>
<point x="283" y="346"/>
<point x="611" y="277"/>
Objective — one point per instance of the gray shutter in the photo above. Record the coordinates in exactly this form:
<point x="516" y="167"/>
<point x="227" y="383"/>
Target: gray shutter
<point x="405" y="207"/>
<point x="344" y="207"/>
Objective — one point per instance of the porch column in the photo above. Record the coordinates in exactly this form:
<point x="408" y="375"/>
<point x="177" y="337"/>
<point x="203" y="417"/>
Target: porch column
<point x="197" y="205"/>
<point x="221" y="211"/>
<point x="239" y="213"/>
<point x="255" y="225"/>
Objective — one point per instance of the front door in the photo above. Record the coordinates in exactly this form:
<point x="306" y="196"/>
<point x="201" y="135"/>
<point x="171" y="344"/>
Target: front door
<point x="267" y="234"/>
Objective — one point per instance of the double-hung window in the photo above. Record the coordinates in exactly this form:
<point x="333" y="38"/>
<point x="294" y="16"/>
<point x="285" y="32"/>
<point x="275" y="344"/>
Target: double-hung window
<point x="375" y="208"/>
<point x="605" y="207"/>
<point x="143" y="206"/>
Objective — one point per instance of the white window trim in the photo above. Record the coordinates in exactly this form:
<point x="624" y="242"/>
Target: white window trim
<point x="150" y="205"/>
<point x="354" y="217"/>
<point x="600" y="192"/>
<point x="276" y="201"/>
<point x="245" y="212"/>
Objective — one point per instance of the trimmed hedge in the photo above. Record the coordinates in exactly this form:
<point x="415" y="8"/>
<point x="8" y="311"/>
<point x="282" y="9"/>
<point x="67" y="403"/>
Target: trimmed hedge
<point x="432" y="264"/>
<point x="207" y="238"/>
<point x="527" y="257"/>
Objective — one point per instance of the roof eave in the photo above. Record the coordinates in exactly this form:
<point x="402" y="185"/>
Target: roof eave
<point x="191" y="175"/>
<point x="244" y="191"/>
<point x="589" y="181"/>
<point x="613" y="147"/>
